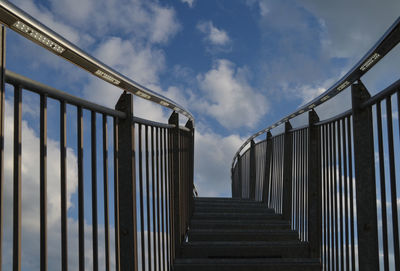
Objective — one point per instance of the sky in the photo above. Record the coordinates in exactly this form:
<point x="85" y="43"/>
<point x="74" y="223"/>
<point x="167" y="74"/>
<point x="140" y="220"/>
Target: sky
<point x="237" y="66"/>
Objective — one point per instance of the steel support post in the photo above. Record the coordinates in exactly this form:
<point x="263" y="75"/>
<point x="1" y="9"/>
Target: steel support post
<point x="268" y="157"/>
<point x="239" y="180"/>
<point x="127" y="185"/>
<point x="287" y="173"/>
<point x="2" y="101"/>
<point x="252" y="180"/>
<point x="189" y="124"/>
<point x="314" y="187"/>
<point x="368" y="248"/>
<point x="175" y="179"/>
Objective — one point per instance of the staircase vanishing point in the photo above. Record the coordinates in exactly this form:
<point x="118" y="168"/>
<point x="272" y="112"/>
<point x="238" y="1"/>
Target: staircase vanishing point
<point x="238" y="234"/>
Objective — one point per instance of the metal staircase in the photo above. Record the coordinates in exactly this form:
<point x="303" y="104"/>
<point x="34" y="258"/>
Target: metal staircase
<point x="238" y="234"/>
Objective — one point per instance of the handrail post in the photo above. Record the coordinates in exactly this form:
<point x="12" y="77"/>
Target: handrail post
<point x="268" y="156"/>
<point x="314" y="187"/>
<point x="287" y="173"/>
<point x="127" y="185"/>
<point x="239" y="185"/>
<point x="2" y="116"/>
<point x="175" y="182"/>
<point x="368" y="247"/>
<point x="252" y="180"/>
<point x="189" y="125"/>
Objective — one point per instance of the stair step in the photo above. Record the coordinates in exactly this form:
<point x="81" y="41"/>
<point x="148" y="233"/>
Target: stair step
<point x="241" y="235"/>
<point x="230" y="216"/>
<point x="289" y="264"/>
<point x="245" y="249"/>
<point x="231" y="209"/>
<point x="238" y="224"/>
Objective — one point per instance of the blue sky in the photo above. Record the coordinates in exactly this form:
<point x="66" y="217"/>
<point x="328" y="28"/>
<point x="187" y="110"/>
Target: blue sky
<point x="238" y="66"/>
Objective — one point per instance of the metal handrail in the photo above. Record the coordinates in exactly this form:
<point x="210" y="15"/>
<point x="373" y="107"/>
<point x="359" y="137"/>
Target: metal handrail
<point x="386" y="43"/>
<point x="22" y="23"/>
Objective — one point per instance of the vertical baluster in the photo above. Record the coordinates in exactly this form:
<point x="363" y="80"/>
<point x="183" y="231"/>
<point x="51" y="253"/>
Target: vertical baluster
<point x="2" y="111"/>
<point x="105" y="189"/>
<point x="340" y="213"/>
<point x="382" y="187"/>
<point x="63" y="175"/>
<point x="158" y="198"/>
<point x="94" y="193"/>
<point x="116" y="196"/>
<point x="153" y="195"/>
<point x="393" y="188"/>
<point x="346" y="194"/>
<point x="351" y="188"/>
<point x="141" y="188"/>
<point x="148" y="196"/>
<point x="162" y="179"/>
<point x="17" y="179"/>
<point x="81" y="218"/>
<point x="43" y="182"/>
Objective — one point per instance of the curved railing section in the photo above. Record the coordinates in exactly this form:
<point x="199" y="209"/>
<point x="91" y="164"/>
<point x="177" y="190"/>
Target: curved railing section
<point x="375" y="54"/>
<point x="145" y="173"/>
<point x="21" y="22"/>
<point x="336" y="180"/>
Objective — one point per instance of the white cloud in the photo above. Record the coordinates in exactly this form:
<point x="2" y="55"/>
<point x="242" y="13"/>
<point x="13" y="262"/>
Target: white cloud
<point x="350" y="32"/>
<point x="229" y="98"/>
<point x="190" y="3"/>
<point x="147" y="20"/>
<point x="213" y="35"/>
<point x="213" y="157"/>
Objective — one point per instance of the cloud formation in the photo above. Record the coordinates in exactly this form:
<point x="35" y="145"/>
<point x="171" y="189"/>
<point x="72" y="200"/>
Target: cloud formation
<point x="213" y="35"/>
<point x="229" y="97"/>
<point x="190" y="3"/>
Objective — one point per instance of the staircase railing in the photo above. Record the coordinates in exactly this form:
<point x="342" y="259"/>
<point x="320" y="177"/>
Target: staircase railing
<point x="335" y="180"/>
<point x="146" y="170"/>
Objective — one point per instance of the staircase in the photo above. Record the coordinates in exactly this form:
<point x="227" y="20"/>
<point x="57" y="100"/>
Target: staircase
<point x="235" y="235"/>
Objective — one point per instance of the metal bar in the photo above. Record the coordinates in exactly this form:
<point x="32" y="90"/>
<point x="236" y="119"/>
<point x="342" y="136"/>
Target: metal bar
<point x="168" y="202"/>
<point x="331" y="190"/>
<point x="368" y="248"/>
<point x="163" y="178"/>
<point x="327" y="195"/>
<point x="252" y="175"/>
<point x="152" y="123"/>
<point x="325" y="198"/>
<point x="43" y="183"/>
<point x="106" y="197"/>
<point x="2" y="115"/>
<point x="158" y="197"/>
<point x="240" y="179"/>
<point x="393" y="189"/>
<point x="17" y="179"/>
<point x="346" y="194"/>
<point x="116" y="196"/>
<point x="29" y="84"/>
<point x="335" y="193"/>
<point x="382" y="180"/>
<point x="350" y="151"/>
<point x="287" y="174"/>
<point x="94" y="193"/>
<point x="127" y="186"/>
<point x="174" y="148"/>
<point x="381" y="95"/>
<point x="81" y="217"/>
<point x="314" y="186"/>
<point x="148" y="196"/>
<point x="339" y="133"/>
<point x="141" y="188"/>
<point x="63" y="176"/>
<point x="268" y="159"/>
<point x="153" y="196"/>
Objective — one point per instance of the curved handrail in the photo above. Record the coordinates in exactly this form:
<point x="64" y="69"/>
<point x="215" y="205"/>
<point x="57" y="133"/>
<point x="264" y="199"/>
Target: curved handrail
<point x="386" y="43"/>
<point x="21" y="22"/>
